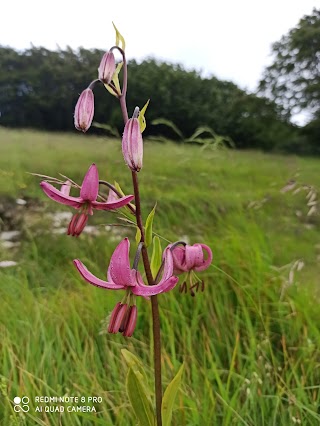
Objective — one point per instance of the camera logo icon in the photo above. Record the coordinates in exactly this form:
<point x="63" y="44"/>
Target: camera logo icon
<point x="21" y="404"/>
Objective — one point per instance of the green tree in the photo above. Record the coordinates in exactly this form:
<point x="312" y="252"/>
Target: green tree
<point x="293" y="80"/>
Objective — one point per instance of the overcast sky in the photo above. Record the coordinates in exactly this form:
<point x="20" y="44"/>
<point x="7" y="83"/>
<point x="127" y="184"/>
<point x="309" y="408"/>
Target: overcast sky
<point x="228" y="38"/>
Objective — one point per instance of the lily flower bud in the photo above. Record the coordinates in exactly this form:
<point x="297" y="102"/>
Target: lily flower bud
<point x="83" y="113"/>
<point x="132" y="145"/>
<point x="107" y="67"/>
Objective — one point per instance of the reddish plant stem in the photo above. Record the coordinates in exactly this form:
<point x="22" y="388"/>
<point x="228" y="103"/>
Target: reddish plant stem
<point x="154" y="305"/>
<point x="146" y="264"/>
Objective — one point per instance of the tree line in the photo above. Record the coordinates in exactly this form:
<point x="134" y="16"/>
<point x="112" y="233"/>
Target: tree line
<point x="39" y="89"/>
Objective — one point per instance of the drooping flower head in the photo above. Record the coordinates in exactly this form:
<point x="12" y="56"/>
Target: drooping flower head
<point x="187" y="259"/>
<point x="120" y="276"/>
<point x="87" y="201"/>
<point x="84" y="110"/>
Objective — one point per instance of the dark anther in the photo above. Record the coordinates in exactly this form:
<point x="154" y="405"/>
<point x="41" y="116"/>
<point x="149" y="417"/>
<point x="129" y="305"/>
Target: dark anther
<point x="183" y="287"/>
<point x="197" y="287"/>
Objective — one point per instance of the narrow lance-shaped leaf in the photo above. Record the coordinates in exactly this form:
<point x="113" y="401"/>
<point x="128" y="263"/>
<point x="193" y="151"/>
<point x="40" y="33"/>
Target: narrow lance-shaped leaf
<point x="138" y="235"/>
<point x="134" y="362"/>
<point x="149" y="223"/>
<point x="140" y="402"/>
<point x="141" y="118"/>
<point x="119" y="189"/>
<point x="110" y="90"/>
<point x="156" y="257"/>
<point x="119" y="38"/>
<point x="170" y="396"/>
<point x="115" y="79"/>
<point x="138" y="390"/>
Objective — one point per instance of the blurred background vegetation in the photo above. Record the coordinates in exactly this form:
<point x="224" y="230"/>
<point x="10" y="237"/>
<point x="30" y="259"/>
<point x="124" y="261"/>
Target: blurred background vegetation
<point x="39" y="89"/>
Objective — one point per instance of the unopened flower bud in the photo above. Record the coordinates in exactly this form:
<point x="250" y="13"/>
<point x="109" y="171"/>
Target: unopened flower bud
<point x="132" y="145"/>
<point x="83" y="114"/>
<point x="107" y="67"/>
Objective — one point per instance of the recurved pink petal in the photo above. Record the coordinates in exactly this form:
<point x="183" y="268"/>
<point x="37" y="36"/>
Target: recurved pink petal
<point x="179" y="260"/>
<point x="112" y="196"/>
<point x="150" y="290"/>
<point x="65" y="188"/>
<point x="92" y="279"/>
<point x="58" y="196"/>
<point x="119" y="271"/>
<point x="168" y="265"/>
<point x="90" y="185"/>
<point x="112" y="205"/>
<point x="205" y="262"/>
<point x="194" y="256"/>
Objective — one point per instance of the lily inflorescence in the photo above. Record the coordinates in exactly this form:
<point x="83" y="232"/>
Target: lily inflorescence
<point x="176" y="259"/>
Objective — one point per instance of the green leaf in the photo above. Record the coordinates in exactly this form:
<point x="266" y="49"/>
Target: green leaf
<point x="134" y="362"/>
<point x="169" y="397"/>
<point x="137" y="389"/>
<point x="118" y="188"/>
<point x="141" y="118"/>
<point x="119" y="38"/>
<point x="149" y="222"/>
<point x="110" y="90"/>
<point x="115" y="77"/>
<point x="138" y="235"/>
<point x="156" y="257"/>
<point x="140" y="402"/>
<point x="125" y="208"/>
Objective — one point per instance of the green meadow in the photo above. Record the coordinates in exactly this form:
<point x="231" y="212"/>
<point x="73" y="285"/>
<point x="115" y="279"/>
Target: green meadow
<point x="250" y="341"/>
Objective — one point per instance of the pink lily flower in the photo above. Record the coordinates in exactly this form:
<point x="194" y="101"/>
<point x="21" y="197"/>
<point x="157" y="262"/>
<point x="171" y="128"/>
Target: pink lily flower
<point x="121" y="277"/>
<point x="86" y="202"/>
<point x="190" y="258"/>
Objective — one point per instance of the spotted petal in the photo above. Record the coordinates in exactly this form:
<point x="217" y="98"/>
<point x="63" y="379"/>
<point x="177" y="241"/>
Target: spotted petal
<point x="178" y="254"/>
<point x="194" y="256"/>
<point x="205" y="262"/>
<point x="92" y="279"/>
